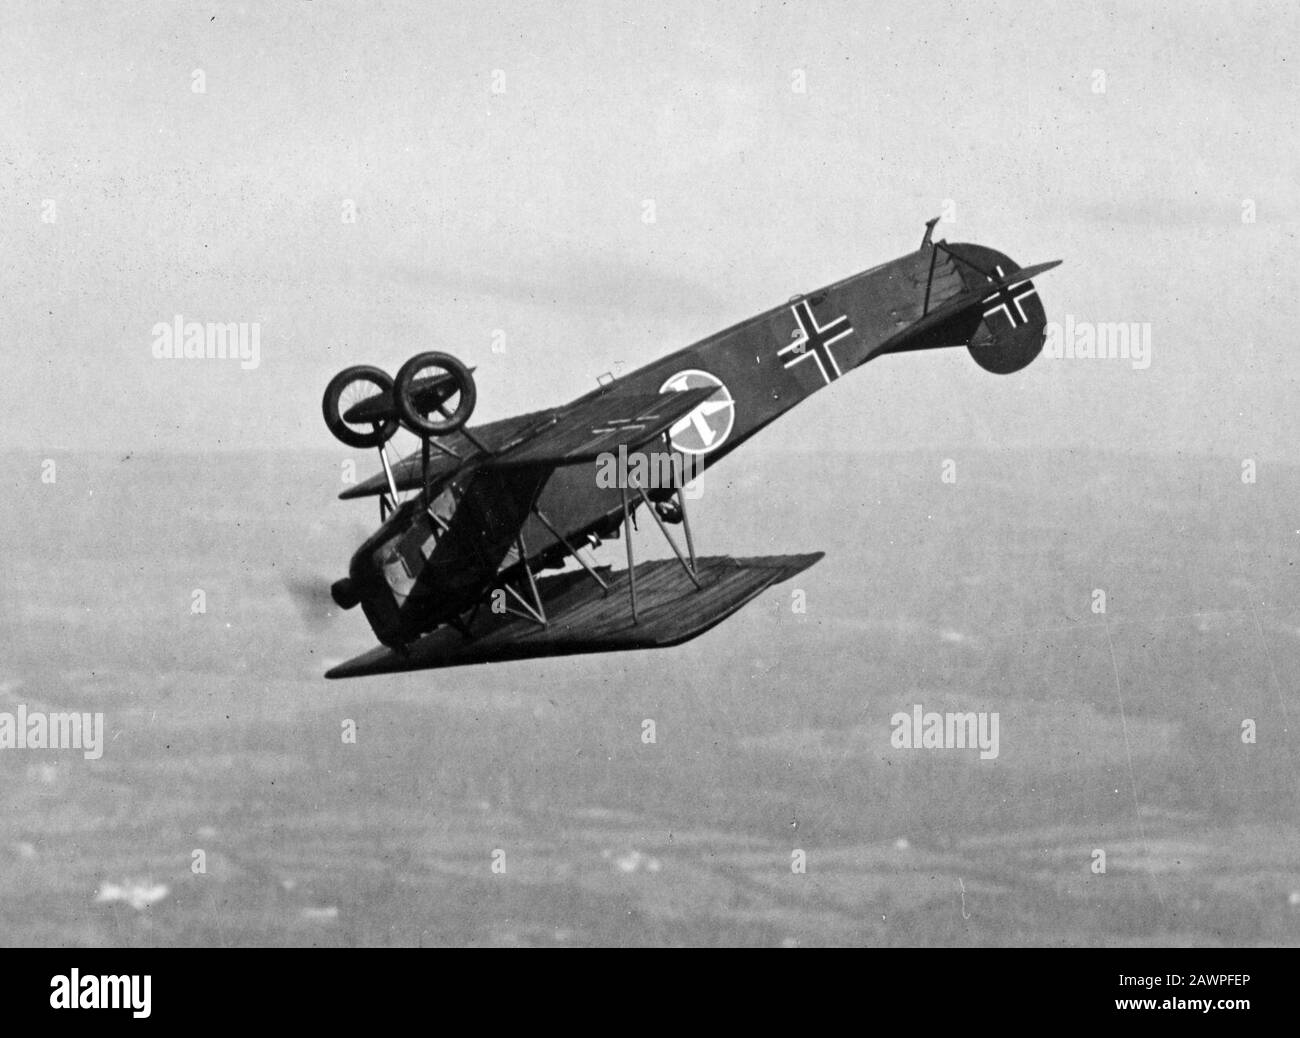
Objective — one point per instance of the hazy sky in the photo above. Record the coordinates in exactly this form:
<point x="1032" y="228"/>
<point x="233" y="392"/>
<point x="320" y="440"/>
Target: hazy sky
<point x="522" y="210"/>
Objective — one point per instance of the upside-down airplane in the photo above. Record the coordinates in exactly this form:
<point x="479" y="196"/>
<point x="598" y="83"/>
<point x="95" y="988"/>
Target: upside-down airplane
<point x="450" y="577"/>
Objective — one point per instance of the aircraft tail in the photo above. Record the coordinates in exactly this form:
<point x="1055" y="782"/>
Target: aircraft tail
<point x="996" y="313"/>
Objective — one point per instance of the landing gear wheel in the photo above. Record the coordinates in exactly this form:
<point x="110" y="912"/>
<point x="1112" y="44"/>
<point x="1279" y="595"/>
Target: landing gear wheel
<point x="347" y="390"/>
<point x="420" y="387"/>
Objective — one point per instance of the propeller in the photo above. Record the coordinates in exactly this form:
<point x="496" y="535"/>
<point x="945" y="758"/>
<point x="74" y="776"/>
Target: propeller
<point x="311" y="596"/>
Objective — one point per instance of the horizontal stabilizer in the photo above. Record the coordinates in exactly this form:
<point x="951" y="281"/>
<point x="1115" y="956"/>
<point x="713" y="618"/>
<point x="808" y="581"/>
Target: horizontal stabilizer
<point x="581" y="618"/>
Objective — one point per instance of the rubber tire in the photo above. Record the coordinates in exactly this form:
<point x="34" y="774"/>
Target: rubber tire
<point x="334" y="420"/>
<point x="420" y="424"/>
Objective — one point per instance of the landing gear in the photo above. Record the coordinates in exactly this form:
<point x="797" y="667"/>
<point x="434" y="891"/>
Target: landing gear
<point x="363" y="407"/>
<point x="426" y="384"/>
<point x="354" y="406"/>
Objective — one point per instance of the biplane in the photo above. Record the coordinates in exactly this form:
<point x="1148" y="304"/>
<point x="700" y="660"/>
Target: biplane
<point x="457" y="571"/>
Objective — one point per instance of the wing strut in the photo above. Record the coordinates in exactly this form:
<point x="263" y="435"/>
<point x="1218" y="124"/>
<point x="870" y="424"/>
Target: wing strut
<point x="535" y="610"/>
<point x="627" y="539"/>
<point x="387" y="503"/>
<point x="689" y="567"/>
<point x="686" y="519"/>
<point x="572" y="550"/>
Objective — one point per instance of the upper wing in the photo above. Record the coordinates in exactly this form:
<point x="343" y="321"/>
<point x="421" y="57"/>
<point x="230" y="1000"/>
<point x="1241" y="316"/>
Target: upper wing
<point x="592" y="426"/>
<point x="581" y="618"/>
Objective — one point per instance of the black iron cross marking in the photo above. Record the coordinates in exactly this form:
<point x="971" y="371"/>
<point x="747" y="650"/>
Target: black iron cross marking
<point x="1006" y="298"/>
<point x="814" y="340"/>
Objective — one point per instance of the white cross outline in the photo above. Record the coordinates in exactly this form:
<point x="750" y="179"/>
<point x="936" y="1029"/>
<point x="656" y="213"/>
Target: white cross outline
<point x="801" y="329"/>
<point x="1002" y="293"/>
<point x="695" y="419"/>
